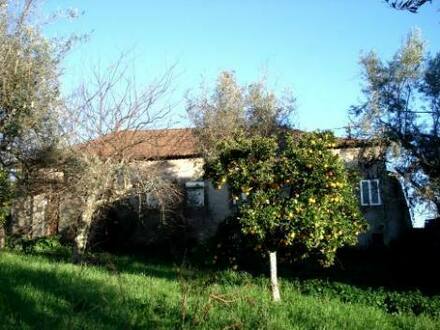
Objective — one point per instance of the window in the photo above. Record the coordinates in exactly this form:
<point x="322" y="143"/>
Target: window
<point x="370" y="194"/>
<point x="195" y="193"/>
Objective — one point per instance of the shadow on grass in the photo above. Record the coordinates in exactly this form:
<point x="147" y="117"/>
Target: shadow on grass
<point x="122" y="263"/>
<point x="35" y="297"/>
<point x="38" y="297"/>
<point x="373" y="269"/>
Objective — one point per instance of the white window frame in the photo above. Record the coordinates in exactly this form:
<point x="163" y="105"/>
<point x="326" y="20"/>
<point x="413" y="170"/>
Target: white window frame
<point x="370" y="202"/>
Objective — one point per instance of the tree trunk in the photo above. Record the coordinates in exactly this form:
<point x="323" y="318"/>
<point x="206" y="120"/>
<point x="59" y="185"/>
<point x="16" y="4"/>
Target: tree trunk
<point x="82" y="233"/>
<point x="2" y="236"/>
<point x="274" y="277"/>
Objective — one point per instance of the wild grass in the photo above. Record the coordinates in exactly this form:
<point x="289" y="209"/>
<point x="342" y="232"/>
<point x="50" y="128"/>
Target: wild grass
<point x="39" y="292"/>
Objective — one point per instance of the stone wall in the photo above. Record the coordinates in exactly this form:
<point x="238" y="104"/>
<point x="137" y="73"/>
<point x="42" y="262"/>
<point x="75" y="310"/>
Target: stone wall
<point x="34" y="216"/>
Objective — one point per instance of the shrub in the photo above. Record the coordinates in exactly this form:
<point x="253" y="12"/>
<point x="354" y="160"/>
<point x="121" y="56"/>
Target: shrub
<point x="50" y="245"/>
<point x="408" y="302"/>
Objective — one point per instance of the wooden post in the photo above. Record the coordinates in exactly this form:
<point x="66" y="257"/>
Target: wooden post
<point x="274" y="277"/>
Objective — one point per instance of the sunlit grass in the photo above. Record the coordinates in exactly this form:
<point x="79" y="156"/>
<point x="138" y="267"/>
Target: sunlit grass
<point x="36" y="292"/>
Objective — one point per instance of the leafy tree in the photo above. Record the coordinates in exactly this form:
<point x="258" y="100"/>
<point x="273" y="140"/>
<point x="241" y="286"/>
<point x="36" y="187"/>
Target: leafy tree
<point x="233" y="110"/>
<point x="297" y="194"/>
<point x="29" y="85"/>
<point x="410" y="5"/>
<point x="29" y="94"/>
<point x="402" y="108"/>
<point x="30" y="67"/>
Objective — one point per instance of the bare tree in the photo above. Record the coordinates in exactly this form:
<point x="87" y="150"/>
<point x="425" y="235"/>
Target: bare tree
<point x="107" y="120"/>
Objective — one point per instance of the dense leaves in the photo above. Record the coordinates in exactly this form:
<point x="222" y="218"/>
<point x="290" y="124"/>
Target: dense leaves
<point x="410" y="302"/>
<point x="291" y="192"/>
<point x="29" y="85"/>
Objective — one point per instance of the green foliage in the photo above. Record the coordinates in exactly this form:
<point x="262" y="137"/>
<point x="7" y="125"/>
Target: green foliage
<point x="128" y="294"/>
<point x="298" y="193"/>
<point x="43" y="245"/>
<point x="409" y="302"/>
<point x="5" y="196"/>
<point x="234" y="110"/>
<point x="229" y="248"/>
<point x="401" y="108"/>
<point x="29" y="86"/>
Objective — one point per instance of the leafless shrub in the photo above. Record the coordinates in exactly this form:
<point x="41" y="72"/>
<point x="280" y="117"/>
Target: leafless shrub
<point x="105" y="120"/>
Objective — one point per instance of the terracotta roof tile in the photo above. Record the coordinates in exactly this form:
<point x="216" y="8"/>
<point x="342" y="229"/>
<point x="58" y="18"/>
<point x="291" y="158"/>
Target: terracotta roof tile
<point x="147" y="144"/>
<point x="165" y="144"/>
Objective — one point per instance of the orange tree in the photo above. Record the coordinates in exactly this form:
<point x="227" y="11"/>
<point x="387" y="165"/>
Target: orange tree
<point x="295" y="194"/>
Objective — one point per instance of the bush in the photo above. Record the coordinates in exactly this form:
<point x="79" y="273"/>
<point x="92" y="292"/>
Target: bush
<point x="408" y="302"/>
<point x="229" y="248"/>
<point x="43" y="245"/>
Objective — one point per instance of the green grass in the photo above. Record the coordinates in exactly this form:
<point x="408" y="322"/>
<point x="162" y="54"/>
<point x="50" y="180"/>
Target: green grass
<point x="121" y="293"/>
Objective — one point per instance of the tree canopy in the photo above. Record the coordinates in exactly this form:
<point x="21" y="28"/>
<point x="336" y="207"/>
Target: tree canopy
<point x="292" y="192"/>
<point x="232" y="110"/>
<point x="29" y="85"/>
<point x="402" y="108"/>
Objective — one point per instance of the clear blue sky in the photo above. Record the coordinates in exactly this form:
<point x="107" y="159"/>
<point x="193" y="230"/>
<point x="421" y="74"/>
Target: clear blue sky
<point x="312" y="47"/>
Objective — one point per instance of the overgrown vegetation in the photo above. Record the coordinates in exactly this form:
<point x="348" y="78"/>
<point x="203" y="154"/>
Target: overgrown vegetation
<point x="401" y="108"/>
<point x="121" y="292"/>
<point x="292" y="193"/>
<point x="5" y="202"/>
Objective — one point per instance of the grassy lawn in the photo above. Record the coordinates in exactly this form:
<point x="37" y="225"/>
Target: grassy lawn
<point x="120" y="293"/>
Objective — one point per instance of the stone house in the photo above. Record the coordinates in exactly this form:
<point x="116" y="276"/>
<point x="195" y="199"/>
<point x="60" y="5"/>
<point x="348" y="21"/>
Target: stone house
<point x="175" y="153"/>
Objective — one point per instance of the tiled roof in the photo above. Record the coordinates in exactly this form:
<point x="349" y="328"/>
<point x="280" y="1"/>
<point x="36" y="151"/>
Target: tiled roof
<point x="147" y="144"/>
<point x="165" y="144"/>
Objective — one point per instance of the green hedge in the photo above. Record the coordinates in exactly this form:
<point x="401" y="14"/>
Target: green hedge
<point x="408" y="302"/>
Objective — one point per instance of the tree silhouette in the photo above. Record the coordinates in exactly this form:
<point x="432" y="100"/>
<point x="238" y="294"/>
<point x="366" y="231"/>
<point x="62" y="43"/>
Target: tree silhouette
<point x="409" y="5"/>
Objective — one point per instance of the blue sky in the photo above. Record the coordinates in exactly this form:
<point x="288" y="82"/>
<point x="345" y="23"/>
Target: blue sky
<point x="311" y="47"/>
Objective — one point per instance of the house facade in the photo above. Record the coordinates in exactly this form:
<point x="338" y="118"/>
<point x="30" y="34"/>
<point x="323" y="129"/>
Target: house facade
<point x="175" y="153"/>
